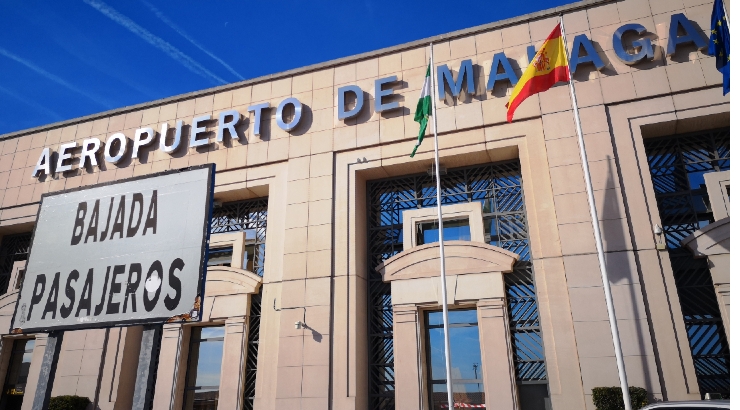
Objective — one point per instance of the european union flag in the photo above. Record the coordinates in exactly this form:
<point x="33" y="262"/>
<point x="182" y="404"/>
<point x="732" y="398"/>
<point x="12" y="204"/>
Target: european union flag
<point x="719" y="43"/>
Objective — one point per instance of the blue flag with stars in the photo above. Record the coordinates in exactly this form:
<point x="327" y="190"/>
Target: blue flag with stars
<point x="719" y="43"/>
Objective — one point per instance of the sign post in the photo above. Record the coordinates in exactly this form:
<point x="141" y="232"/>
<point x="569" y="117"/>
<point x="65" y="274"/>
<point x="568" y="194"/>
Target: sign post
<point x="127" y="253"/>
<point x="151" y="339"/>
<point x="48" y="369"/>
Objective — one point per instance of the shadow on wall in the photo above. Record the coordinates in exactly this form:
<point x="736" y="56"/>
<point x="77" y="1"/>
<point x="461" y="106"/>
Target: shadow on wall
<point x="316" y="335"/>
<point x="626" y="285"/>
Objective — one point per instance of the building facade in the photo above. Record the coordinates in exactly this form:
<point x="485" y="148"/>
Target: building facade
<point x="322" y="289"/>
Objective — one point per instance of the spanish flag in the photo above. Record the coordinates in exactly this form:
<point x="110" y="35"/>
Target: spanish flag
<point x="548" y="67"/>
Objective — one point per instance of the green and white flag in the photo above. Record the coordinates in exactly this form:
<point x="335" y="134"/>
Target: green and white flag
<point x="423" y="109"/>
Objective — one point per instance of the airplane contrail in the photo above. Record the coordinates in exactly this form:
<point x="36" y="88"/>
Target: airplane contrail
<point x="181" y="32"/>
<point x="52" y="77"/>
<point x="55" y="116"/>
<point x="150" y="38"/>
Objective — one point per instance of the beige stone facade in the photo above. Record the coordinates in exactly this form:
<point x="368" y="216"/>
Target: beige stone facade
<point x="316" y="267"/>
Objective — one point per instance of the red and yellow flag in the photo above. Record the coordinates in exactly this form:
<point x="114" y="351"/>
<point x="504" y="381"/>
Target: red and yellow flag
<point x="549" y="66"/>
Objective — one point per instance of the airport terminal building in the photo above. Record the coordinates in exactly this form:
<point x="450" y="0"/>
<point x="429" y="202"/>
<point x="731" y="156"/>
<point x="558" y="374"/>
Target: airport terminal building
<point x="322" y="287"/>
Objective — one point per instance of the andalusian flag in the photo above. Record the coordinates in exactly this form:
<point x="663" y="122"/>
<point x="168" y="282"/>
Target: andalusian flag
<point x="423" y="109"/>
<point x="549" y="66"/>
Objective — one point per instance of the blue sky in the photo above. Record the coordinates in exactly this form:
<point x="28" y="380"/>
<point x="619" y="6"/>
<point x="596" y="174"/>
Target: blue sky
<point x="61" y="60"/>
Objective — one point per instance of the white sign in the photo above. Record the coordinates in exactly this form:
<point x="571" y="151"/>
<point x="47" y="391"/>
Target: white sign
<point x="125" y="253"/>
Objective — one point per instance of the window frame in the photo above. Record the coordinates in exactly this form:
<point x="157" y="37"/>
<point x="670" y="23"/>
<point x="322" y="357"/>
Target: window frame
<point x="220" y="249"/>
<point x="429" y="382"/>
<point x="189" y="370"/>
<point x="419" y="227"/>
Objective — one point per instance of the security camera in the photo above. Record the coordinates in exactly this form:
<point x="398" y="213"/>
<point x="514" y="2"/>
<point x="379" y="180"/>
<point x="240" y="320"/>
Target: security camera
<point x="298" y="324"/>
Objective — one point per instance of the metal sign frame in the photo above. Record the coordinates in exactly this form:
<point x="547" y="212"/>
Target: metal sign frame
<point x="183" y="317"/>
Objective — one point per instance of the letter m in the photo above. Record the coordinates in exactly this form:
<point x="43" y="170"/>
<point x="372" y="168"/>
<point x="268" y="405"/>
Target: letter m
<point x="445" y="76"/>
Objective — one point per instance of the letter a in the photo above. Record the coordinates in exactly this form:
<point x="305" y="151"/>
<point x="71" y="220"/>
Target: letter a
<point x="43" y="163"/>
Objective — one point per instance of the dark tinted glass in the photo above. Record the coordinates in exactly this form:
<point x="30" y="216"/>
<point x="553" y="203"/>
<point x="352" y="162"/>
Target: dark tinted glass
<point x="534" y="396"/>
<point x="15" y="381"/>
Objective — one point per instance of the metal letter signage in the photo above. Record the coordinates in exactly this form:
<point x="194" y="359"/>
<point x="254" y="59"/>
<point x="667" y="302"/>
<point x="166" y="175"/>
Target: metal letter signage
<point x="465" y="74"/>
<point x="342" y="112"/>
<point x="692" y="36"/>
<point x="297" y="113"/>
<point x="583" y="53"/>
<point x="500" y="60"/>
<point x="131" y="252"/>
<point x="643" y="47"/>
<point x="380" y="93"/>
<point x="581" y="42"/>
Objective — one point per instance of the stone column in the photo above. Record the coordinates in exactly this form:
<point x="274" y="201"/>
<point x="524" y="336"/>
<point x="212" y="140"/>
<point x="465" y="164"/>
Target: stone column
<point x="406" y="355"/>
<point x="34" y="370"/>
<point x="499" y="376"/>
<point x="231" y="391"/>
<point x="723" y="299"/>
<point x="118" y="378"/>
<point x="719" y="266"/>
<point x="173" y="356"/>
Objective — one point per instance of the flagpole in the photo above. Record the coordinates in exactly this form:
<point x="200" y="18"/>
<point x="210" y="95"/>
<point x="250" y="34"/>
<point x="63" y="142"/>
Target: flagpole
<point x="445" y="319"/>
<point x="597" y="235"/>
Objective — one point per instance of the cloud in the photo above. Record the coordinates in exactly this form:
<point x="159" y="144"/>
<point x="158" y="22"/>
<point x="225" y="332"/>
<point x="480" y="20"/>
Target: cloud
<point x="155" y="41"/>
<point x="38" y="107"/>
<point x="53" y="77"/>
<point x="179" y="31"/>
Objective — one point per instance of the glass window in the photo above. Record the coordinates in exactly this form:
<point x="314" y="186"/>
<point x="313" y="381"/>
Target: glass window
<point x="499" y="187"/>
<point x="204" y="368"/>
<point x="534" y="395"/>
<point x="467" y="375"/>
<point x="454" y="230"/>
<point x="253" y="251"/>
<point x="678" y="164"/>
<point x="220" y="256"/>
<point x="15" y="382"/>
<point x="13" y="248"/>
<point x="250" y="217"/>
<point x="22" y="274"/>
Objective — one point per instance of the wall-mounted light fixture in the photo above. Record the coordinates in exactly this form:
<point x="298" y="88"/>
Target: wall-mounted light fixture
<point x="299" y="324"/>
<point x="658" y="231"/>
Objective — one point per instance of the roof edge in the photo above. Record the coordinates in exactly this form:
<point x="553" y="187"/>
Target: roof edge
<point x="538" y="15"/>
